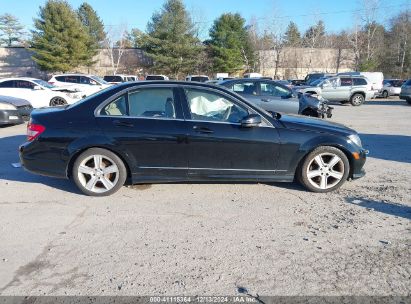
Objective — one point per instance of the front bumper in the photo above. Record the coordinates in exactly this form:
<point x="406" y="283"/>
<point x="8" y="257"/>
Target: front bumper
<point x="357" y="170"/>
<point x="10" y="117"/>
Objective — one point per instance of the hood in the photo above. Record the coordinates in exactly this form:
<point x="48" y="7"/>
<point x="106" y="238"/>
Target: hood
<point x="18" y="102"/>
<point x="314" y="124"/>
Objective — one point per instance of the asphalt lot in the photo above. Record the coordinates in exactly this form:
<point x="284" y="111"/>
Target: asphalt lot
<point x="215" y="239"/>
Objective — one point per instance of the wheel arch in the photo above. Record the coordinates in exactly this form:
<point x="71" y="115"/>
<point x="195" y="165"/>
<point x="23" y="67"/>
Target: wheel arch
<point x="358" y="92"/>
<point x="307" y="150"/>
<point x="77" y="153"/>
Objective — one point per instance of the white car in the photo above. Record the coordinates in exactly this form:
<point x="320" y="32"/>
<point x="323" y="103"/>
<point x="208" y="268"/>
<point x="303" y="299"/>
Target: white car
<point x="86" y="84"/>
<point x="38" y="92"/>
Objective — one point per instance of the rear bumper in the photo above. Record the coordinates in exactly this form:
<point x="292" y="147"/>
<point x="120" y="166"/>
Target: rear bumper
<point x="39" y="160"/>
<point x="10" y="117"/>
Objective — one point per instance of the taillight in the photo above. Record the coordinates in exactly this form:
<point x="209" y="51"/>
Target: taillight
<point x="51" y="82"/>
<point x="34" y="130"/>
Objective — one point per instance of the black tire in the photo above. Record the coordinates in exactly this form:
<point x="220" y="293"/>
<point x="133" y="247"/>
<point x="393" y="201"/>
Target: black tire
<point x="100" y="179"/>
<point x="409" y="101"/>
<point x="384" y="94"/>
<point x="308" y="166"/>
<point x="57" y="101"/>
<point x="357" y="99"/>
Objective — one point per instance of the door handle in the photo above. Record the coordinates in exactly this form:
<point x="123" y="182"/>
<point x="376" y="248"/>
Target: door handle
<point x="202" y="130"/>
<point x="265" y="100"/>
<point x="119" y="123"/>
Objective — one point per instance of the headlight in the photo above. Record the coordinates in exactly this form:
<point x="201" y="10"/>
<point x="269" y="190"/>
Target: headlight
<point x="7" y="106"/>
<point x="355" y="139"/>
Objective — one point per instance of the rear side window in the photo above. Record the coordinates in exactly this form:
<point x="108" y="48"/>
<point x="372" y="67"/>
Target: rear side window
<point x="61" y="78"/>
<point x="72" y="79"/>
<point x="113" y="78"/>
<point x="7" y="84"/>
<point x="270" y="89"/>
<point x="248" y="88"/>
<point x="346" y="82"/>
<point x="116" y="108"/>
<point x="359" y="81"/>
<point x="153" y="102"/>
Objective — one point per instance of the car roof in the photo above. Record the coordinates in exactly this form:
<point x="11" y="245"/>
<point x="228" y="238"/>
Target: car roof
<point x="73" y="74"/>
<point x="19" y="78"/>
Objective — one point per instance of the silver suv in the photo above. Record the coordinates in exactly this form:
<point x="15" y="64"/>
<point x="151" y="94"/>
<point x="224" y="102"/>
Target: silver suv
<point x="406" y="91"/>
<point x="354" y="89"/>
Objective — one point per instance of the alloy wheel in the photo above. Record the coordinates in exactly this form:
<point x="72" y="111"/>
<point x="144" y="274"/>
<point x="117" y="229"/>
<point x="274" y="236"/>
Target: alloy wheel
<point x="357" y="100"/>
<point x="98" y="173"/>
<point x="325" y="171"/>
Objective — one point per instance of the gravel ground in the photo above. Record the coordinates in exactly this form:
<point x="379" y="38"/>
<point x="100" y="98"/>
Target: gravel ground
<point x="215" y="239"/>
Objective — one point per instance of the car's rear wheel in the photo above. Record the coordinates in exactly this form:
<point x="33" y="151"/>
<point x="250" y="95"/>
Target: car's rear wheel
<point x="325" y="169"/>
<point x="99" y="172"/>
<point x="57" y="101"/>
<point x="357" y="99"/>
<point x="385" y="94"/>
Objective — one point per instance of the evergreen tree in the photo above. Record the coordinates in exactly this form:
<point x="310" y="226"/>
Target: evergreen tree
<point x="170" y="40"/>
<point x="315" y="34"/>
<point x="59" y="40"/>
<point x="10" y="30"/>
<point x="292" y="35"/>
<point x="95" y="29"/>
<point x="230" y="44"/>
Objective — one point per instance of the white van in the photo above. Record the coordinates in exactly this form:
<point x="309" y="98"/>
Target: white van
<point x="199" y="78"/>
<point x="252" y="75"/>
<point x="376" y="78"/>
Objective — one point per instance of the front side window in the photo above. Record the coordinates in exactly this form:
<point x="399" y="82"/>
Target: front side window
<point x="22" y="84"/>
<point x="152" y="102"/>
<point x="270" y="89"/>
<point x="209" y="106"/>
<point x="248" y="88"/>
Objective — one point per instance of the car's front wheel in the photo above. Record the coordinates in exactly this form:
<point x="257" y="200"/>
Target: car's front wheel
<point x="57" y="101"/>
<point x="357" y="99"/>
<point x="99" y="172"/>
<point x="325" y="169"/>
<point x="385" y="94"/>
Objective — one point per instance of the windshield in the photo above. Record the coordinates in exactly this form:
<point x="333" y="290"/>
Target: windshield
<point x="99" y="80"/>
<point x="44" y="84"/>
<point x="317" y="82"/>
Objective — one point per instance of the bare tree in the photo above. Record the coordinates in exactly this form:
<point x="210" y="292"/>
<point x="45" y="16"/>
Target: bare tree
<point x="117" y="39"/>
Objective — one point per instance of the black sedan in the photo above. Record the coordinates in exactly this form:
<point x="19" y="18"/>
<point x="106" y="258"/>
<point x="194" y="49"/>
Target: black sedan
<point x="155" y="131"/>
<point x="275" y="96"/>
<point x="13" y="110"/>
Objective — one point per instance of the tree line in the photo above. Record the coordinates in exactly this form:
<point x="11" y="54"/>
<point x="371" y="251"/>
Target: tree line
<point x="65" y="38"/>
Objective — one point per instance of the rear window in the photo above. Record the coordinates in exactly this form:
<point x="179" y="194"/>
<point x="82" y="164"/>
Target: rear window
<point x="113" y="78"/>
<point x="396" y="83"/>
<point x="359" y="81"/>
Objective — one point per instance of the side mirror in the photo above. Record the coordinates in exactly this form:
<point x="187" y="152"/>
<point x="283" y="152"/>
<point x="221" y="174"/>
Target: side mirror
<point x="252" y="120"/>
<point x="37" y="87"/>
